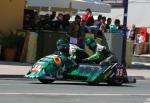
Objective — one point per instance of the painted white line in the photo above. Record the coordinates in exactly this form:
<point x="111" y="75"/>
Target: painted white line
<point x="141" y="63"/>
<point x="73" y="94"/>
<point x="12" y="84"/>
<point x="148" y="99"/>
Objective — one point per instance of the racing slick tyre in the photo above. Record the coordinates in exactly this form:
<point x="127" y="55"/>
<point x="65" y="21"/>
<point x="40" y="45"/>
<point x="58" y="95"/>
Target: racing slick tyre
<point x="46" y="81"/>
<point x="92" y="83"/>
<point x="115" y="81"/>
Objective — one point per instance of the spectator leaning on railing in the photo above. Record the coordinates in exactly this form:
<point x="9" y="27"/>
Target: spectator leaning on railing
<point x="76" y="33"/>
<point x="108" y="24"/>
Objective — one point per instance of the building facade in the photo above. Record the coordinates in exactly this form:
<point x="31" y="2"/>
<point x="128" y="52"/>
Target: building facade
<point x="12" y="12"/>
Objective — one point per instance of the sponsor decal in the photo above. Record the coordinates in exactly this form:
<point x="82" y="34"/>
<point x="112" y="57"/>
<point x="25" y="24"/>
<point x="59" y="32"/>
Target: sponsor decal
<point x="36" y="68"/>
<point x="119" y="71"/>
<point x="57" y="60"/>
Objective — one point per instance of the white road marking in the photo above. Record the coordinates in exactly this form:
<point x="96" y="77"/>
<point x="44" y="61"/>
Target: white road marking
<point x="74" y="94"/>
<point x="148" y="99"/>
<point x="12" y="84"/>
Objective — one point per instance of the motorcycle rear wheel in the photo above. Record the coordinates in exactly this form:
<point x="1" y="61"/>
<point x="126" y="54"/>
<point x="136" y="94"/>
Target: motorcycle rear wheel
<point x="115" y="81"/>
<point x="46" y="81"/>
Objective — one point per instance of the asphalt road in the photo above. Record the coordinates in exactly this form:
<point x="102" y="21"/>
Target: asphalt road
<point x="27" y="91"/>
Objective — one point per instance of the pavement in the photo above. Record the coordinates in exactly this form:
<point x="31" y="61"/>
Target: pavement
<point x="13" y="69"/>
<point x="140" y="71"/>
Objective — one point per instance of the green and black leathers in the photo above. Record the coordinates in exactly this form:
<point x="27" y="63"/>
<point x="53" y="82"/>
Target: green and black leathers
<point x="101" y="56"/>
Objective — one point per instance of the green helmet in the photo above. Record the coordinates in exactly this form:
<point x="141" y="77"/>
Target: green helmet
<point x="89" y="41"/>
<point x="62" y="44"/>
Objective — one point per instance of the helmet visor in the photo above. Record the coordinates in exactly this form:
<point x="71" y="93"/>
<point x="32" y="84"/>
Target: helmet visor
<point x="60" y="47"/>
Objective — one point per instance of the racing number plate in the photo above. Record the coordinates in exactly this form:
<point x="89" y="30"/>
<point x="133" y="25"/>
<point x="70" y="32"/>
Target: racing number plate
<point x="119" y="71"/>
<point x="36" y="68"/>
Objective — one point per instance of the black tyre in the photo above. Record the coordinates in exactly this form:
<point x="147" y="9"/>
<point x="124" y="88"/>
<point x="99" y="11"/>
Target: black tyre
<point x="115" y="81"/>
<point x="93" y="83"/>
<point x="46" y="81"/>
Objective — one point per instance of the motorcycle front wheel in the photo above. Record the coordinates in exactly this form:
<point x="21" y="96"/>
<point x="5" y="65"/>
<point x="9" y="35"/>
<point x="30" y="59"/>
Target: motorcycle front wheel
<point x="46" y="81"/>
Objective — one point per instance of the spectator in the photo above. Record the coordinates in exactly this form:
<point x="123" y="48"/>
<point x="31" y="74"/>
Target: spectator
<point x="88" y="17"/>
<point x="52" y="16"/>
<point x="102" y="27"/>
<point x="98" y="21"/>
<point x="139" y="42"/>
<point x="76" y="33"/>
<point x="103" y="24"/>
<point x="46" y="22"/>
<point x="117" y="24"/>
<point x="108" y="24"/>
<point x="36" y="20"/>
<point x="58" y="23"/>
<point x="132" y="33"/>
<point x="27" y="23"/>
<point x="103" y="20"/>
<point x="95" y="27"/>
<point x="132" y="36"/>
<point x="140" y="38"/>
<point x="66" y="22"/>
<point x="41" y="22"/>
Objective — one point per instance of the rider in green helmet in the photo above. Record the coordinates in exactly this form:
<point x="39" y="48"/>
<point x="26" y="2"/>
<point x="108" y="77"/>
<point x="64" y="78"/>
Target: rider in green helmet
<point x="101" y="54"/>
<point x="71" y="51"/>
<point x="63" y="46"/>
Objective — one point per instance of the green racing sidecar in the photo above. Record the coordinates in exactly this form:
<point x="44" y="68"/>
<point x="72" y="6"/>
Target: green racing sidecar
<point x="58" y="67"/>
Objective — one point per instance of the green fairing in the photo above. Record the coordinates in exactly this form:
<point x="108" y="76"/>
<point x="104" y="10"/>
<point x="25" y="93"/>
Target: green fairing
<point x="91" y="73"/>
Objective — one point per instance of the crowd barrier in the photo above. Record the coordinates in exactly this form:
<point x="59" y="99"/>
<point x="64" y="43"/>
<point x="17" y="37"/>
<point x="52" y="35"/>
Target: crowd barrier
<point x="43" y="43"/>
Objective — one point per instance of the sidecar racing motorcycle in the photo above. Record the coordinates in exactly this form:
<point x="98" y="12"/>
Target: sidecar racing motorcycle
<point x="52" y="67"/>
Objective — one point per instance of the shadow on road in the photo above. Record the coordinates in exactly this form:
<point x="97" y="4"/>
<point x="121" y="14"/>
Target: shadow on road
<point x="86" y="84"/>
